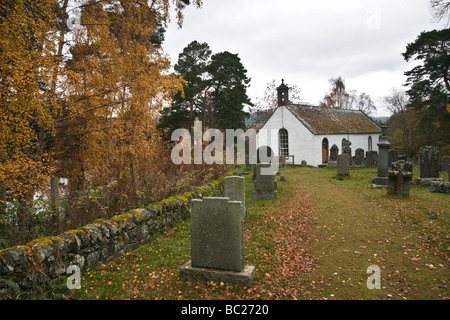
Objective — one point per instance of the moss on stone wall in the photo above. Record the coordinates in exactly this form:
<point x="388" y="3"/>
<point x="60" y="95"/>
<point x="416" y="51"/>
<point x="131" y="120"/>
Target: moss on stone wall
<point x="25" y="268"/>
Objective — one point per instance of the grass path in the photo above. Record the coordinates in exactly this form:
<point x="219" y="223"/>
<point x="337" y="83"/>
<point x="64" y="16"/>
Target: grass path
<point x="355" y="230"/>
<point x="315" y="241"/>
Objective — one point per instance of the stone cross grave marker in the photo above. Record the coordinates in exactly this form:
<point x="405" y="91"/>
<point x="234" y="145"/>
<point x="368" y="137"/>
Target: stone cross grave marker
<point x="217" y="243"/>
<point x="399" y="178"/>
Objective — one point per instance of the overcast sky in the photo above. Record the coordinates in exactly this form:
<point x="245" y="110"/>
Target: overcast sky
<point x="307" y="42"/>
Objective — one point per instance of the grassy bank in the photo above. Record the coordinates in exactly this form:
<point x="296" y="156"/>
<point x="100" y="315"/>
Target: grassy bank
<point x="315" y="241"/>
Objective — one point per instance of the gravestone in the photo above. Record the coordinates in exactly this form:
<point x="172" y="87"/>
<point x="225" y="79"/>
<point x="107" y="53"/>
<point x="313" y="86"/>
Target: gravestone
<point x="429" y="162"/>
<point x="445" y="163"/>
<point x="265" y="183"/>
<point x="392" y="156"/>
<point x="440" y="186"/>
<point x="371" y="158"/>
<point x="281" y="161"/>
<point x="382" y="162"/>
<point x="346" y="149"/>
<point x="359" y="157"/>
<point x="234" y="189"/>
<point x="399" y="178"/>
<point x="343" y="165"/>
<point x="248" y="165"/>
<point x="217" y="243"/>
<point x="334" y="152"/>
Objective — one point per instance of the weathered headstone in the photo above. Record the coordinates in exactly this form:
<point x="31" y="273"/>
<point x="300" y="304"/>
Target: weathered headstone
<point x="217" y="243"/>
<point x="445" y="163"/>
<point x="343" y="165"/>
<point x="359" y="157"/>
<point x="346" y="149"/>
<point x="399" y="178"/>
<point x="234" y="188"/>
<point x="429" y="162"/>
<point x="440" y="186"/>
<point x="334" y="152"/>
<point x="281" y="161"/>
<point x="392" y="156"/>
<point x="265" y="183"/>
<point x="383" y="149"/>
<point x="248" y="165"/>
<point x="371" y="158"/>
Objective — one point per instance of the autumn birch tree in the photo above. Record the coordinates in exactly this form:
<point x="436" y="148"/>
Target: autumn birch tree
<point x="27" y="51"/>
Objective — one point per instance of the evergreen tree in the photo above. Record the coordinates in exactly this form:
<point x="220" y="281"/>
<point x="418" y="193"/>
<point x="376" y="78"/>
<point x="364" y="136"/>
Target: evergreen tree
<point x="429" y="83"/>
<point x="229" y="83"/>
<point x="214" y="91"/>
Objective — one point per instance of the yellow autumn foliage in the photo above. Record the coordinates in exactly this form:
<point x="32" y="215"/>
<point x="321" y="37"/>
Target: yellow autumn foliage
<point x="80" y="102"/>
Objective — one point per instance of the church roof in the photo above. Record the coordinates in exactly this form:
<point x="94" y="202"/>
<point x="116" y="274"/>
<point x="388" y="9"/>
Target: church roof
<point x="331" y="121"/>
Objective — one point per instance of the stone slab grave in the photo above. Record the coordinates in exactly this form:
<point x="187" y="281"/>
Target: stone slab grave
<point x="234" y="189"/>
<point x="265" y="183"/>
<point x="399" y="178"/>
<point x="343" y="165"/>
<point x="440" y="187"/>
<point x="217" y="243"/>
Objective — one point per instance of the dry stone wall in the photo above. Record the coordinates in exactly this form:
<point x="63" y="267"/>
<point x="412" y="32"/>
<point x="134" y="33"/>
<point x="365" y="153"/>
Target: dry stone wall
<point x="29" y="268"/>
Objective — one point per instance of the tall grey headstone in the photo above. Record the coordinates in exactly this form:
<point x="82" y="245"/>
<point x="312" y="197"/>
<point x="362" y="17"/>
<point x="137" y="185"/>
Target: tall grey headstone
<point x="371" y="158"/>
<point x="234" y="188"/>
<point x="217" y="243"/>
<point x="392" y="156"/>
<point x="343" y="165"/>
<point x="383" y="158"/>
<point x="359" y="157"/>
<point x="445" y="163"/>
<point x="334" y="152"/>
<point x="429" y="162"/>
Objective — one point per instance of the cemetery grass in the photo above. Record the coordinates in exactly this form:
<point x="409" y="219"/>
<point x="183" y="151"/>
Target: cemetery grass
<point x="315" y="241"/>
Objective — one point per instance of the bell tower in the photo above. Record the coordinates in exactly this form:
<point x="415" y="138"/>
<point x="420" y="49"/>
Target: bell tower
<point x="283" y="94"/>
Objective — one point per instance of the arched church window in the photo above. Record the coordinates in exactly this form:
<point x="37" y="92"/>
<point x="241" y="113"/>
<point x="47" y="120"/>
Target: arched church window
<point x="284" y="142"/>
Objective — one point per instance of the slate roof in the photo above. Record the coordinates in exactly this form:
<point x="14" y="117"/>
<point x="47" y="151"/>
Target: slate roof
<point x="333" y="121"/>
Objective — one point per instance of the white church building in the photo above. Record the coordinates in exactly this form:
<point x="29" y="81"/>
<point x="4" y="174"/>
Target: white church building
<point x="307" y="133"/>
